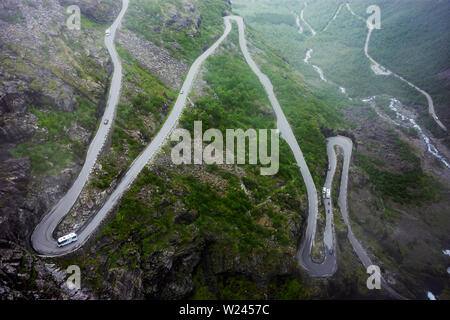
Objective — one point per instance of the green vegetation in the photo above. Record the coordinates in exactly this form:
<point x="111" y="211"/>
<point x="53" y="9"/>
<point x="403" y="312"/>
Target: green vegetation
<point x="152" y="98"/>
<point x="347" y="65"/>
<point x="274" y="18"/>
<point x="54" y="149"/>
<point x="241" y="287"/>
<point x="412" y="186"/>
<point x="56" y="121"/>
<point x="308" y="113"/>
<point x="405" y="151"/>
<point x="284" y="288"/>
<point x="109" y="165"/>
<point x="336" y="185"/>
<point x="148" y="221"/>
<point x="12" y="17"/>
<point x="318" y="13"/>
<point x="422" y="58"/>
<point x="134" y="114"/>
<point x="239" y="102"/>
<point x="88" y="23"/>
<point x="180" y="208"/>
<point x="237" y="94"/>
<point x="56" y="145"/>
<point x="191" y="39"/>
<point x="423" y="52"/>
<point x="46" y="158"/>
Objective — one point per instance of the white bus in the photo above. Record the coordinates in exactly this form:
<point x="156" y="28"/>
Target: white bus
<point x="65" y="240"/>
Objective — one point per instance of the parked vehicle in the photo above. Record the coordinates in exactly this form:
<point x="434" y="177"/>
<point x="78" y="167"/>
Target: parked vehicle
<point x="106" y="122"/>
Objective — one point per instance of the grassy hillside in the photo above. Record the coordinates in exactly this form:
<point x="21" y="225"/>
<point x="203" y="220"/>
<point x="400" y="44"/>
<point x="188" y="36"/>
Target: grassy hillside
<point x="394" y="195"/>
<point x="414" y="42"/>
<point x="422" y="56"/>
<point x="62" y="99"/>
<point x="184" y="30"/>
<point x="222" y="213"/>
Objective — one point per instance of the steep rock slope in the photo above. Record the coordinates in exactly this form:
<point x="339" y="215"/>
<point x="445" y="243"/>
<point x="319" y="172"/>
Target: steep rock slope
<point x="53" y="87"/>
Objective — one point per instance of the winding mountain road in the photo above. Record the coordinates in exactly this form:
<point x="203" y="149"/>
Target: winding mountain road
<point x="377" y="68"/>
<point x="381" y="70"/>
<point x="329" y="265"/>
<point x="42" y="238"/>
<point x="347" y="145"/>
<point x="306" y="23"/>
<point x="297" y="22"/>
<point x="334" y="17"/>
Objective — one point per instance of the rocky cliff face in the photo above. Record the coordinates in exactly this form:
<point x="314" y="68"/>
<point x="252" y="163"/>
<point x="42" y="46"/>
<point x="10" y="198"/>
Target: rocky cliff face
<point x="156" y="60"/>
<point x="23" y="276"/>
<point x="52" y="89"/>
<point x="43" y="80"/>
<point x="100" y="11"/>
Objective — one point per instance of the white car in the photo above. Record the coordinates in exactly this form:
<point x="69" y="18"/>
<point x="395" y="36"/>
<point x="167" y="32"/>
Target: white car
<point x="181" y="92"/>
<point x="67" y="239"/>
<point x="106" y="122"/>
<point x="108" y="32"/>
